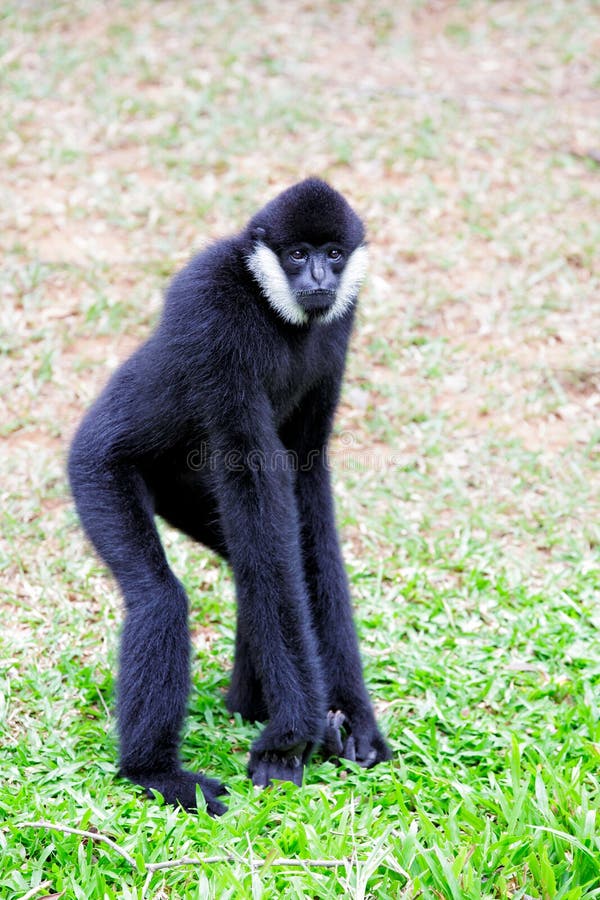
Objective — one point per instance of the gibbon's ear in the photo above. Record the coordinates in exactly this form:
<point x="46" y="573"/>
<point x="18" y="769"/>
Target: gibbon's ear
<point x="258" y="233"/>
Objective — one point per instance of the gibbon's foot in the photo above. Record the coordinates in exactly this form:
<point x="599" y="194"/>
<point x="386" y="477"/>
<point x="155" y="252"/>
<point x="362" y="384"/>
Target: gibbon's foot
<point x="364" y="746"/>
<point x="266" y="766"/>
<point x="179" y="789"/>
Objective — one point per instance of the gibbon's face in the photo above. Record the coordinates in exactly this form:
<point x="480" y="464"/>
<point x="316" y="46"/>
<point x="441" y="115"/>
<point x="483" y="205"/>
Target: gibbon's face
<point x="313" y="274"/>
<point x="304" y="283"/>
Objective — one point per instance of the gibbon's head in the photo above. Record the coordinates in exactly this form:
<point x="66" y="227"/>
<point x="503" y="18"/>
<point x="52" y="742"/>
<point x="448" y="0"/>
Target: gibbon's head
<point x="308" y="253"/>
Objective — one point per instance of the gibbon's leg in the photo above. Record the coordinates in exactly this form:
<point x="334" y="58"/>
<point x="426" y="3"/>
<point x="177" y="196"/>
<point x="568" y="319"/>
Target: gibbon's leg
<point x="153" y="682"/>
<point x="245" y="694"/>
<point x="189" y="507"/>
<point x="192" y="510"/>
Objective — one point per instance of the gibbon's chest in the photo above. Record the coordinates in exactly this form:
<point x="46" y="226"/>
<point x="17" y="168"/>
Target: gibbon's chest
<point x="300" y="365"/>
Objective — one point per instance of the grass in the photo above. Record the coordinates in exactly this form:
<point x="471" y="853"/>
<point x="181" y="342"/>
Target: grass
<point x="466" y="451"/>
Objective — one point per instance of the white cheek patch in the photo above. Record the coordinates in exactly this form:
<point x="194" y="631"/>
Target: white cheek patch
<point x="350" y="282"/>
<point x="265" y="267"/>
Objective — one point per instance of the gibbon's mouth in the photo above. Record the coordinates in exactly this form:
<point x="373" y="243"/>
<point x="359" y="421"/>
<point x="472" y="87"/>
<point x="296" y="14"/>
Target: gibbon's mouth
<point x="319" y="292"/>
<point x="317" y="300"/>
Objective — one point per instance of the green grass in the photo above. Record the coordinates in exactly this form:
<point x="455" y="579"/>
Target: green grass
<point x="466" y="450"/>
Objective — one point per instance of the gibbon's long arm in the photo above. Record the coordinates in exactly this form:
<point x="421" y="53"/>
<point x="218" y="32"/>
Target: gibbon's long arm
<point x="261" y="527"/>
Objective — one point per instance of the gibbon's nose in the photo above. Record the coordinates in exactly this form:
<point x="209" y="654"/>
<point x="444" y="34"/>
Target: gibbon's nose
<point x="317" y="270"/>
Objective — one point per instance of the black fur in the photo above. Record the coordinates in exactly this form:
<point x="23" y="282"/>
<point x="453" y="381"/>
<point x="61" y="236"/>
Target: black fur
<point x="325" y="217"/>
<point x="219" y="423"/>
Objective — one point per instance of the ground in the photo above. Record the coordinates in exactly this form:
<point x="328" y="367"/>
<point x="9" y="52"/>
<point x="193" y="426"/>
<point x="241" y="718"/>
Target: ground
<point x="466" y="453"/>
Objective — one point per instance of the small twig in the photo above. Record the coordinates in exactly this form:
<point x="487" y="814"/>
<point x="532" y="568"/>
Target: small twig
<point x="187" y="860"/>
<point x="253" y="864"/>
<point x="92" y="835"/>
<point x="35" y="890"/>
<point x="593" y="154"/>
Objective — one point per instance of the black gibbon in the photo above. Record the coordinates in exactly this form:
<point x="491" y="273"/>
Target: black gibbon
<point x="219" y="423"/>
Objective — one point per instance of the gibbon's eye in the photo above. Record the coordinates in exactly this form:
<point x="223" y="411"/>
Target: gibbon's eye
<point x="298" y="255"/>
<point x="335" y="253"/>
